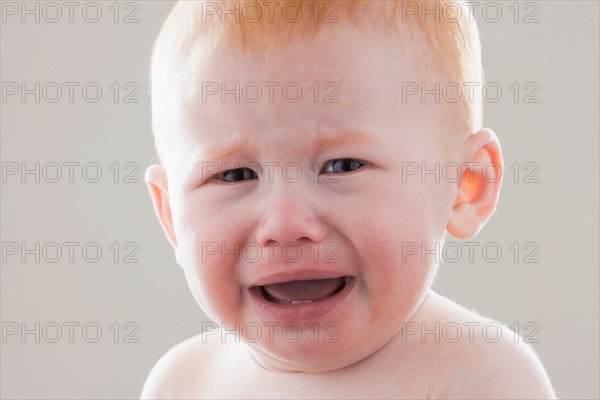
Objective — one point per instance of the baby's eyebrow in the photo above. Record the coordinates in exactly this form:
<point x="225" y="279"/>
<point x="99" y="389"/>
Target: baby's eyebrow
<point x="321" y="142"/>
<point x="221" y="152"/>
<point x="356" y="137"/>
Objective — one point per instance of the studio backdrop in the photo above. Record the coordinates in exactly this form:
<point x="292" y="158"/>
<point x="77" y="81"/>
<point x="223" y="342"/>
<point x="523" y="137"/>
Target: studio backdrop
<point x="91" y="294"/>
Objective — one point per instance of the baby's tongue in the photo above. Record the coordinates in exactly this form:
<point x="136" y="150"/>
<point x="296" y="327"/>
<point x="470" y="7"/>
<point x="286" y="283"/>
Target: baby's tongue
<point x="298" y="291"/>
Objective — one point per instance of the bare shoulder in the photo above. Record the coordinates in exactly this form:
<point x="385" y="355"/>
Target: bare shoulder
<point x="482" y="358"/>
<point x="179" y="369"/>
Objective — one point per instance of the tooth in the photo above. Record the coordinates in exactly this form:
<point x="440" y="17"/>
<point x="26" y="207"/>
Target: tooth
<point x="299" y="302"/>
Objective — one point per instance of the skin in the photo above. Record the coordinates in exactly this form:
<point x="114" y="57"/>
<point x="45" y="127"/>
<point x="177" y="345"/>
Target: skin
<point x="367" y="213"/>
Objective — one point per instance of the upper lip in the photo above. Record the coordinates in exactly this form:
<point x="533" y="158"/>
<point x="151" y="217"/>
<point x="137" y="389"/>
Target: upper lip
<point x="302" y="275"/>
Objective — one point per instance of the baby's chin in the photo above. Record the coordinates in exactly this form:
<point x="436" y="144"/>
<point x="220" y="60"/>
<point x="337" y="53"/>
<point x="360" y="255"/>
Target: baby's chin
<point x="319" y="347"/>
<point x="304" y="356"/>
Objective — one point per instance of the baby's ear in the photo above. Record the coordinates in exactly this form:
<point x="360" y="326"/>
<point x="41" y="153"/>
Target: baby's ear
<point x="156" y="181"/>
<point x="479" y="186"/>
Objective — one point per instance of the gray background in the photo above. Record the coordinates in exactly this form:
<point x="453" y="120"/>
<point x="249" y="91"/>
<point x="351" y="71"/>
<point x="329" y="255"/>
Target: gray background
<point x="559" y="213"/>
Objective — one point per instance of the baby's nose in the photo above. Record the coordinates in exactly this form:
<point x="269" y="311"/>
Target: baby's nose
<point x="290" y="214"/>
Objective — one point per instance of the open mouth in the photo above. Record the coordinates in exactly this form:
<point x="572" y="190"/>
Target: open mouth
<point x="302" y="300"/>
<point x="303" y="291"/>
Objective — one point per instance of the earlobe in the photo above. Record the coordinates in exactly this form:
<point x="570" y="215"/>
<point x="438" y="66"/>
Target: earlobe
<point x="156" y="181"/>
<point x="479" y="186"/>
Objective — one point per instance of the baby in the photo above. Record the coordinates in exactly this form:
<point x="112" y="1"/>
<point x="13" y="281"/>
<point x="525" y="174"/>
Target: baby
<point x="289" y="136"/>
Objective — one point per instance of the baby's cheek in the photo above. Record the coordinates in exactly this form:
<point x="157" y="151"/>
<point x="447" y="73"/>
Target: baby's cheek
<point x="209" y="277"/>
<point x="221" y="291"/>
<point x="390" y="275"/>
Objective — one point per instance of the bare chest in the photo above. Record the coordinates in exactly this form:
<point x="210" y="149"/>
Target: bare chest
<point x="377" y="381"/>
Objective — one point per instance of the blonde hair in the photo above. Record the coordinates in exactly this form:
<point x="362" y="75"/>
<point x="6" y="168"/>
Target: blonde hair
<point x="194" y="30"/>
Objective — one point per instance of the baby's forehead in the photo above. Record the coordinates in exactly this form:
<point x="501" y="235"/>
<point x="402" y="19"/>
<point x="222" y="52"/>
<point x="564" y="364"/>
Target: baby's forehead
<point x="341" y="63"/>
<point x="337" y="80"/>
<point x="261" y="47"/>
<point x="197" y="75"/>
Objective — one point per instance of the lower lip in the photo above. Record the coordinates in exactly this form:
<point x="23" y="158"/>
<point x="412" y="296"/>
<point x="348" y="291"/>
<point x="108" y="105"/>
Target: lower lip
<point x="303" y="311"/>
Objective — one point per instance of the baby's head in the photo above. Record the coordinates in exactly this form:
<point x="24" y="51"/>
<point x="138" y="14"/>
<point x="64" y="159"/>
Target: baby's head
<point x="295" y="140"/>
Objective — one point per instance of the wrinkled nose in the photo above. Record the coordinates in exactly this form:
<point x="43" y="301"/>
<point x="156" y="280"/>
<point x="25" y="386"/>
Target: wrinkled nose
<point x="290" y="215"/>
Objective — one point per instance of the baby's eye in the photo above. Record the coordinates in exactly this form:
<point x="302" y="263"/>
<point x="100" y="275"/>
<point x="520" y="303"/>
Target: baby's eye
<point x="236" y="175"/>
<point x="341" y="165"/>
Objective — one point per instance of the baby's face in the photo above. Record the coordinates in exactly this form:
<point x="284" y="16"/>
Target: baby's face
<point x="275" y="190"/>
